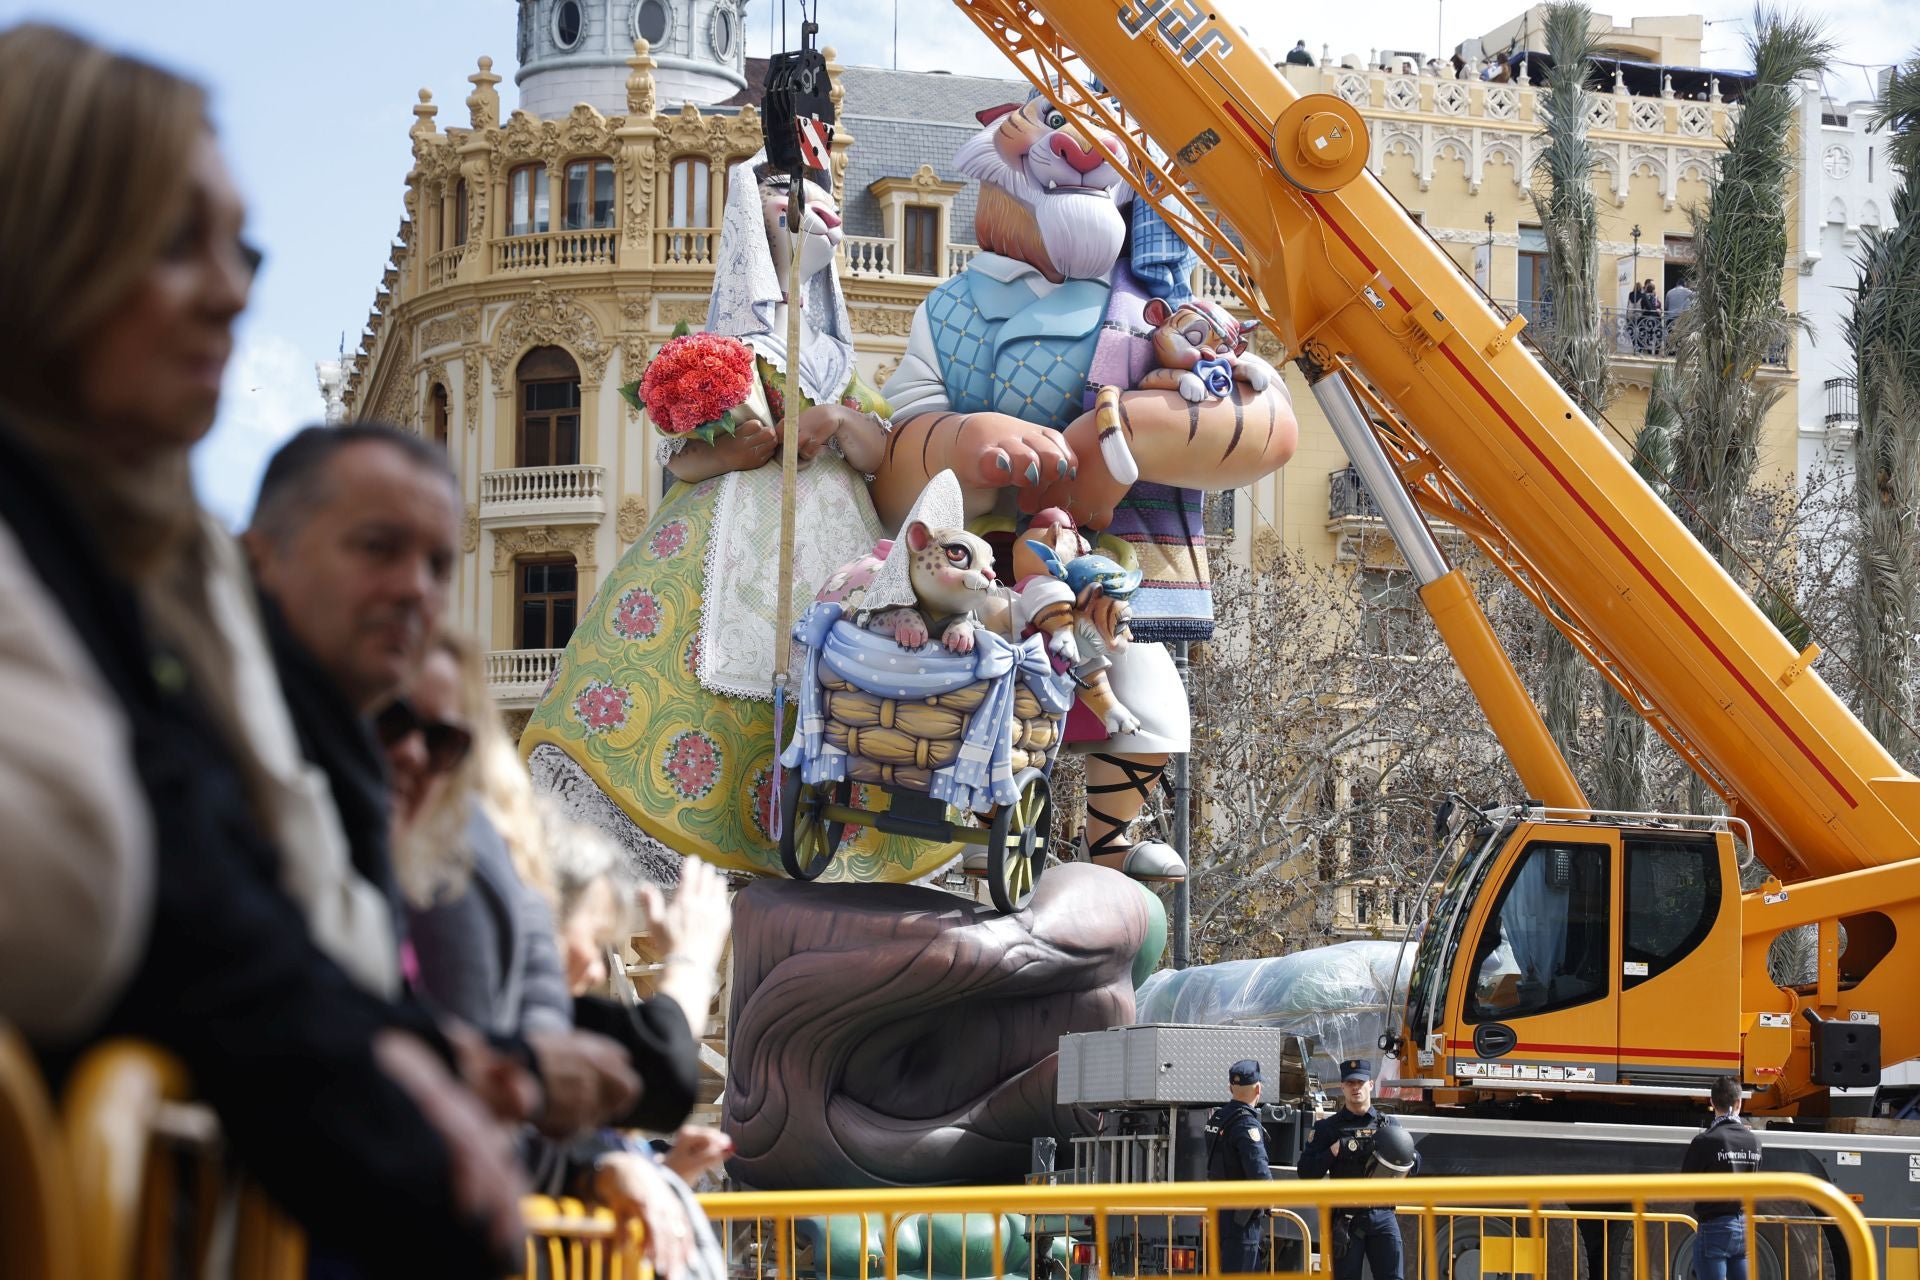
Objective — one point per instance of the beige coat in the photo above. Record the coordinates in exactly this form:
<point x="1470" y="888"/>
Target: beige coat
<point x="77" y="857"/>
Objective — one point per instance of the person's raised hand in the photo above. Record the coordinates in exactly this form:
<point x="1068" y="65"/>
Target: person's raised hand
<point x="691" y="928"/>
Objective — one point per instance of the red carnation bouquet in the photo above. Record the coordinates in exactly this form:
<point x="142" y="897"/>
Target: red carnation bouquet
<point x="699" y="385"/>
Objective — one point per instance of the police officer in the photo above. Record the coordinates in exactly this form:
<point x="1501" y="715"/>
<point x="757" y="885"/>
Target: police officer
<point x="1237" y="1152"/>
<point x="1348" y="1144"/>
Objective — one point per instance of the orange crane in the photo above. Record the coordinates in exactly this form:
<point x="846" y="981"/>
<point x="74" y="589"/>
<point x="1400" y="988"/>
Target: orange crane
<point x="1568" y="951"/>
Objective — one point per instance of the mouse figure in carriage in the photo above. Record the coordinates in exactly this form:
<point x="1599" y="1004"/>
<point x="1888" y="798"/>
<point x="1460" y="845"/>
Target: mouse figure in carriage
<point x="926" y="678"/>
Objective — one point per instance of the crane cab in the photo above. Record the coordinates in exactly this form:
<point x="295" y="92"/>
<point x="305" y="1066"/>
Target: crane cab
<point x="1566" y="954"/>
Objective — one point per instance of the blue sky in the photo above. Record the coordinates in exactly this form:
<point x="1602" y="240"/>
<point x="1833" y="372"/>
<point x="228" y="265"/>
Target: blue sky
<point x="343" y="78"/>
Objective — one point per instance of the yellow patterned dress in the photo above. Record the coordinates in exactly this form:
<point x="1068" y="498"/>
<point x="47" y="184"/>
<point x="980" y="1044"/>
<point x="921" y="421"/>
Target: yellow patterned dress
<point x="693" y="767"/>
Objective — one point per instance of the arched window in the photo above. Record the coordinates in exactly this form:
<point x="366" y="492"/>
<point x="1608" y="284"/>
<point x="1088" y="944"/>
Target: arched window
<point x="527" y="200"/>
<point x="439" y="415"/>
<point x="688" y="192"/>
<point x="546" y="602"/>
<point x="589" y="195"/>
<point x="460" y="211"/>
<point x="549" y="417"/>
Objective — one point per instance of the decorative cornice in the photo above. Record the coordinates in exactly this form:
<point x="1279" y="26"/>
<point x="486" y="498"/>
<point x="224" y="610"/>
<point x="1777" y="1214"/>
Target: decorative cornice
<point x="543" y="540"/>
<point x="546" y="318"/>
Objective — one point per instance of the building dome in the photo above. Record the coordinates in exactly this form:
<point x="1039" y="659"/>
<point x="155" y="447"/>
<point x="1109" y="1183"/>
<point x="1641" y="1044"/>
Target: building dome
<point x="575" y="51"/>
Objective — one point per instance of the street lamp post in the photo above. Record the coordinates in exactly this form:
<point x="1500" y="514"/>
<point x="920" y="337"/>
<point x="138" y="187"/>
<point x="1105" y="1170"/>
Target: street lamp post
<point x="1489" y="222"/>
<point x="1636" y="252"/>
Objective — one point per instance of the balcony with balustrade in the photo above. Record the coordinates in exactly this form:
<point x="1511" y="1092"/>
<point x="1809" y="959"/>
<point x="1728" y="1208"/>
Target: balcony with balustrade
<point x="1360" y="534"/>
<point x="1843" y="407"/>
<point x="556" y="250"/>
<point x="675" y="247"/>
<point x="543" y="495"/>
<point x="518" y="678"/>
<point x="1632" y="334"/>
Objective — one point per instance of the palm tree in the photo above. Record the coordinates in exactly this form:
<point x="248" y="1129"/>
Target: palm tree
<point x="1572" y="338"/>
<point x="1883" y="331"/>
<point x="1623" y="780"/>
<point x="1740" y="246"/>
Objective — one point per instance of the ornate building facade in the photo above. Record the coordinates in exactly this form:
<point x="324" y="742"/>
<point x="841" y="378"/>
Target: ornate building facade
<point x="543" y="255"/>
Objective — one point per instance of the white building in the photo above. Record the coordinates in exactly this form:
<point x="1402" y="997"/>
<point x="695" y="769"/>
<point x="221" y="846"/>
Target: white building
<point x="1850" y="188"/>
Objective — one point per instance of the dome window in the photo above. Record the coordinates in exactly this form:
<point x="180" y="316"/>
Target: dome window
<point x="568" y="24"/>
<point x="651" y="18"/>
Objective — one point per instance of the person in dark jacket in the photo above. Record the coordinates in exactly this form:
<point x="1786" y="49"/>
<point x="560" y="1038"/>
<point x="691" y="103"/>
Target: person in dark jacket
<point x="123" y="267"/>
<point x="1726" y="1145"/>
<point x="1342" y="1146"/>
<point x="1237" y="1152"/>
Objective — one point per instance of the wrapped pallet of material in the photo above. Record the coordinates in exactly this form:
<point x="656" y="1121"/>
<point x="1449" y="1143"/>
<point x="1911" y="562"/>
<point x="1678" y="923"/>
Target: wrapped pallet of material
<point x="1337" y="999"/>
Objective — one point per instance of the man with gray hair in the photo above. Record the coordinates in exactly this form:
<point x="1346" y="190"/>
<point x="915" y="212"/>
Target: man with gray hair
<point x="352" y="547"/>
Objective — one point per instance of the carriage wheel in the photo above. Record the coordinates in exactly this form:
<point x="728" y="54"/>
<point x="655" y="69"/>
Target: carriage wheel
<point x="1017" y="842"/>
<point x="807" y="844"/>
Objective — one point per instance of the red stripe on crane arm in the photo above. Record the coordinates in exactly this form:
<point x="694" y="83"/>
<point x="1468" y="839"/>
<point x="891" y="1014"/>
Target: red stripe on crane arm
<point x="1568" y="488"/>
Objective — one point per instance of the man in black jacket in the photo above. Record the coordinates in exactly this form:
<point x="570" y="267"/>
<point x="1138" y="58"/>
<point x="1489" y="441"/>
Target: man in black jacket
<point x="353" y="542"/>
<point x="1342" y="1146"/>
<point x="1237" y="1152"/>
<point x="1726" y="1145"/>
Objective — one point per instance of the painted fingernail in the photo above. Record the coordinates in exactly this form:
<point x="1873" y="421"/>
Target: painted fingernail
<point x="1073" y="473"/>
<point x="1033" y="473"/>
<point x="1060" y="469"/>
<point x="1000" y="460"/>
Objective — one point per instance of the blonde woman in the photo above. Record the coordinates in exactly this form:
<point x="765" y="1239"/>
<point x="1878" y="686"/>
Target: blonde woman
<point x="122" y="267"/>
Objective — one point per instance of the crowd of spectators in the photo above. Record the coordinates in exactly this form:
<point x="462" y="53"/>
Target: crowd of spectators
<point x="261" y="810"/>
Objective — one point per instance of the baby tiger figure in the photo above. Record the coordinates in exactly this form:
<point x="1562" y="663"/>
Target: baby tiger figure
<point x="1201" y="350"/>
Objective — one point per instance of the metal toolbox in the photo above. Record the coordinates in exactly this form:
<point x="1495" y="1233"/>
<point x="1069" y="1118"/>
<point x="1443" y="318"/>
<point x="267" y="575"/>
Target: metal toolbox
<point x="1159" y="1064"/>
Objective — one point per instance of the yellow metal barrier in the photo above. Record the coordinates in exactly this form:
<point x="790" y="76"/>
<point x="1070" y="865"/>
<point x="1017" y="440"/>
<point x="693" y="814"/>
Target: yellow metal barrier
<point x="1802" y="1248"/>
<point x="566" y="1240"/>
<point x="39" y="1230"/>
<point x="1534" y="1227"/>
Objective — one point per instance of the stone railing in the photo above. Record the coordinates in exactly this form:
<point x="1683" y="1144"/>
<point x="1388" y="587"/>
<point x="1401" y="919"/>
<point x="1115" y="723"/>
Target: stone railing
<point x="521" y="675"/>
<point x="685" y="246"/>
<point x="570" y="486"/>
<point x="557" y="249"/>
<point x="1632" y="332"/>
<point x="869" y="255"/>
<point x="443" y="266"/>
<point x="1517" y="103"/>
<point x="958" y="256"/>
<point x="1208" y="284"/>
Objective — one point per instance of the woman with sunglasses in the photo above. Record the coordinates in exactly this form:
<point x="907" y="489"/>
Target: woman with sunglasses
<point x="485" y="948"/>
<point x="141" y="819"/>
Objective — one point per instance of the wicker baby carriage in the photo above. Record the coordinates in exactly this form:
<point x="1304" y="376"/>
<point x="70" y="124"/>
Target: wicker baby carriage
<point x="932" y="731"/>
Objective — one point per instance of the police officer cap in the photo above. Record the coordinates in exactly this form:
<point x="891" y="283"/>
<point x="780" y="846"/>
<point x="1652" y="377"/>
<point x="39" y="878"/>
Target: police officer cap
<point x="1356" y="1069"/>
<point x="1245" y="1071"/>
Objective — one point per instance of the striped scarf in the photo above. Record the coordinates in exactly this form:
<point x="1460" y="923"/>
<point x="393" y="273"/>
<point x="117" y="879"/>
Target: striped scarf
<point x="1163" y="525"/>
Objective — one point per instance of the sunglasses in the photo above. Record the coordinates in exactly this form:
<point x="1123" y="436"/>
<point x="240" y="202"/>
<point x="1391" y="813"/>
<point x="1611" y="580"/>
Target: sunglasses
<point x="447" y="744"/>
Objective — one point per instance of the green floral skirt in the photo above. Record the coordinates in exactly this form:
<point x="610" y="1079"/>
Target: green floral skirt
<point x="693" y="768"/>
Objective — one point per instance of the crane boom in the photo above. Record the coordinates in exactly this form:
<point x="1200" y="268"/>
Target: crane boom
<point x="1273" y="187"/>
